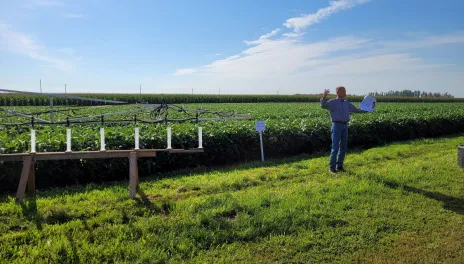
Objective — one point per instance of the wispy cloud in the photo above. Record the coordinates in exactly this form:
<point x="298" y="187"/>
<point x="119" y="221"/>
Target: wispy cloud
<point x="263" y="38"/>
<point x="25" y="45"/>
<point x="298" y="23"/>
<point x="31" y="4"/>
<point x="73" y="15"/>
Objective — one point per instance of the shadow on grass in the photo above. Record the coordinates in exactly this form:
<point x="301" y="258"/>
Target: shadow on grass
<point x="145" y="201"/>
<point x="165" y="208"/>
<point x="450" y="203"/>
<point x="77" y="189"/>
<point x="237" y="166"/>
<point x="29" y="209"/>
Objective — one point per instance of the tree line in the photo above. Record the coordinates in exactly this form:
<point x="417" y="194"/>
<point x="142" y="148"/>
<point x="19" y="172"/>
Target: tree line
<point x="409" y="93"/>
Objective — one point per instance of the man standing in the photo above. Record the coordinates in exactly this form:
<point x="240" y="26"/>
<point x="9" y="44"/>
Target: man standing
<point x="340" y="110"/>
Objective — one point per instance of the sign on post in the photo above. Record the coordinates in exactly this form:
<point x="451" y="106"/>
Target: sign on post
<point x="260" y="127"/>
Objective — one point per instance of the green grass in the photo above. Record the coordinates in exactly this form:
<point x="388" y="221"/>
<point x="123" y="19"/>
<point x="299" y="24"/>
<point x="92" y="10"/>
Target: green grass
<point x="400" y="203"/>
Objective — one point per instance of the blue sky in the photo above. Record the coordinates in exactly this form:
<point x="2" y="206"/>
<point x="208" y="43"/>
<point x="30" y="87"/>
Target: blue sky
<point x="242" y="47"/>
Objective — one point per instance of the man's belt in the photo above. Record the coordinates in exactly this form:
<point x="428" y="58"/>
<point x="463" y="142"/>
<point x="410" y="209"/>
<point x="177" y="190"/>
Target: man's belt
<point x="340" y="122"/>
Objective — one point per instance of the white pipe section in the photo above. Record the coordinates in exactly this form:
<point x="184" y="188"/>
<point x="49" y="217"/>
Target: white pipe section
<point x="33" y="141"/>
<point x="102" y="139"/>
<point x="68" y="139"/>
<point x="169" y="138"/>
<point x="200" y="137"/>
<point x="136" y="138"/>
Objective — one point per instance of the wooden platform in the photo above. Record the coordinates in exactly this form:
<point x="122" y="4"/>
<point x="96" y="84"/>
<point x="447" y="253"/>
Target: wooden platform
<point x="29" y="159"/>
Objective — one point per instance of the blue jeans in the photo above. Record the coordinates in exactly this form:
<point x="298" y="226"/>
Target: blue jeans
<point x="339" y="145"/>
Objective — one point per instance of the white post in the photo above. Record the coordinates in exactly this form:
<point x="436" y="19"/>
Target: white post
<point x="261" y="143"/>
<point x="33" y="141"/>
<point x="136" y="138"/>
<point x="200" y="137"/>
<point x="169" y="138"/>
<point x="102" y="139"/>
<point x="68" y="139"/>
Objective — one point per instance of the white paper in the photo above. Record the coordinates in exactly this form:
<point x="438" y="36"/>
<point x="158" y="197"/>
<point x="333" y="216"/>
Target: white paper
<point x="368" y="103"/>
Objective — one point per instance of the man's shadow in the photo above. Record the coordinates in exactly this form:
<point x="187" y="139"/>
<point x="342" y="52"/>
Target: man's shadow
<point x="449" y="202"/>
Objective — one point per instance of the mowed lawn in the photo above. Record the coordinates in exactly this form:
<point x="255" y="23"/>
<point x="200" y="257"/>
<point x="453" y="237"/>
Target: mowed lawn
<point x="402" y="203"/>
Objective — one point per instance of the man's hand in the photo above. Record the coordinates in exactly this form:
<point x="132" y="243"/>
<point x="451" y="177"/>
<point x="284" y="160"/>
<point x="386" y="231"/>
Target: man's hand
<point x="326" y="92"/>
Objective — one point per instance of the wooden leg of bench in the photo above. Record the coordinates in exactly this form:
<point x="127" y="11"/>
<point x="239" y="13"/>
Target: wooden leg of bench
<point x="137" y="175"/>
<point x="27" y="161"/>
<point x="133" y="174"/>
<point x="31" y="181"/>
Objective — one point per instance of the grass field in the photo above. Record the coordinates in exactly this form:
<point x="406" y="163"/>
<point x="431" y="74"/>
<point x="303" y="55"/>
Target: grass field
<point x="402" y="203"/>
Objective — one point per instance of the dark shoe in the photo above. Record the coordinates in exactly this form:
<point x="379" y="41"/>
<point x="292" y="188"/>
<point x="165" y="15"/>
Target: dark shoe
<point x="333" y="171"/>
<point x="341" y="169"/>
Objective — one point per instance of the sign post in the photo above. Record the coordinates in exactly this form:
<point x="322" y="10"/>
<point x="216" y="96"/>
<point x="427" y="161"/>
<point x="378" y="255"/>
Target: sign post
<point x="260" y="127"/>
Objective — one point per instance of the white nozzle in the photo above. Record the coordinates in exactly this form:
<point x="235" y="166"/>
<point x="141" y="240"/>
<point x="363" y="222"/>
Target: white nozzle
<point x="136" y="138"/>
<point x="33" y="141"/>
<point x="200" y="137"/>
<point x="169" y="138"/>
<point x="102" y="139"/>
<point x="68" y="140"/>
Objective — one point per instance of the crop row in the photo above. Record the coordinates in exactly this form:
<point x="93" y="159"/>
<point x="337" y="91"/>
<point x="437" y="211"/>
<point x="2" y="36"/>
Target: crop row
<point x="37" y="100"/>
<point x="291" y="129"/>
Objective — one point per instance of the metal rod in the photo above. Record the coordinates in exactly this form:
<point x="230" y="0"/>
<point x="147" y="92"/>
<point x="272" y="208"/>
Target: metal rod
<point x="11" y="112"/>
<point x="52" y="114"/>
<point x="109" y="114"/>
<point x="261" y="143"/>
<point x="126" y="121"/>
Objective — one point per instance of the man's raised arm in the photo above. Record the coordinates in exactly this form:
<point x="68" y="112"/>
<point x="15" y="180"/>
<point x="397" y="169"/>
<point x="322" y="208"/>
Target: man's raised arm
<point x="324" y="103"/>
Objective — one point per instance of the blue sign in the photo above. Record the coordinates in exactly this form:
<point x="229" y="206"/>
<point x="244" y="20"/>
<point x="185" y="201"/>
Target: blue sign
<point x="260" y="126"/>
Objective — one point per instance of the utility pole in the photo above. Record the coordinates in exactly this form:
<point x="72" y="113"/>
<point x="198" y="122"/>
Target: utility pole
<point x="65" y="88"/>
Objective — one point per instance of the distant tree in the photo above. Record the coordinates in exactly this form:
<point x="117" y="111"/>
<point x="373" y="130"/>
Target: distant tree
<point x="410" y="93"/>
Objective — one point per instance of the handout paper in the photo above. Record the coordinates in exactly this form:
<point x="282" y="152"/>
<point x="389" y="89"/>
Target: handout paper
<point x="368" y="103"/>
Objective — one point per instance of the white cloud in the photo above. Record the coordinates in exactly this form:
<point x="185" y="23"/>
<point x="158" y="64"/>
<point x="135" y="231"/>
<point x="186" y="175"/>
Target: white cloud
<point x="73" y="15"/>
<point x="263" y="38"/>
<point x="298" y="23"/>
<point x="293" y="65"/>
<point x="285" y="57"/>
<point x="25" y="45"/>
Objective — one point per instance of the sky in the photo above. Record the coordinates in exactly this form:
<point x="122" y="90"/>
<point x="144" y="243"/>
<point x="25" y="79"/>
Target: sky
<point x="232" y="47"/>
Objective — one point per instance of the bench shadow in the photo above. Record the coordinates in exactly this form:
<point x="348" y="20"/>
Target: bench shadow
<point x="29" y="210"/>
<point x="145" y="201"/>
<point x="239" y="166"/>
<point x="449" y="202"/>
